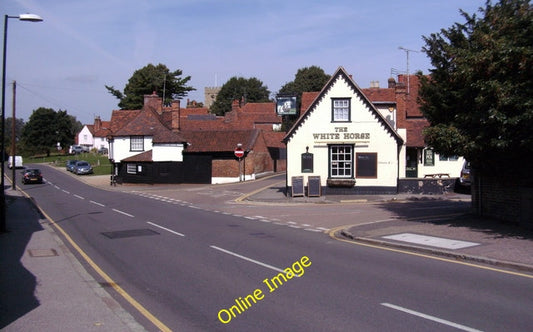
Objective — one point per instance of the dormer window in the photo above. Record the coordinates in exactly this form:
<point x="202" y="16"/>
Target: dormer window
<point x="340" y="109"/>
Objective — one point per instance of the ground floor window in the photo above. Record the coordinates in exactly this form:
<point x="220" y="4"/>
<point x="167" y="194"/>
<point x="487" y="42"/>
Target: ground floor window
<point x="366" y="165"/>
<point x="131" y="168"/>
<point x="341" y="161"/>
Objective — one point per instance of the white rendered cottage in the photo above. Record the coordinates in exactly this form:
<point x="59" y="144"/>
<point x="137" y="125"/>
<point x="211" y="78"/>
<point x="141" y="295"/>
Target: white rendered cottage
<point x="343" y="144"/>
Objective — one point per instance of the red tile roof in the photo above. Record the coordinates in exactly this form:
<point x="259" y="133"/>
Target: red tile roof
<point x="220" y="140"/>
<point x="380" y="95"/>
<point x="120" y="118"/>
<point x="145" y="123"/>
<point x="274" y="139"/>
<point x="141" y="157"/>
<point x="307" y="100"/>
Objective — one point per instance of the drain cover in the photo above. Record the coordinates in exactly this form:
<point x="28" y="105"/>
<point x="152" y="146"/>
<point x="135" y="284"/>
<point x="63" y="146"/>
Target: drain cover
<point x="130" y="233"/>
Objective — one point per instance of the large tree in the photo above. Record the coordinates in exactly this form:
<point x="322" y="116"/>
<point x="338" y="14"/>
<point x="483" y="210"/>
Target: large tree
<point x="307" y="79"/>
<point x="148" y="79"/>
<point x="479" y="96"/>
<point x="251" y="90"/>
<point x="46" y="128"/>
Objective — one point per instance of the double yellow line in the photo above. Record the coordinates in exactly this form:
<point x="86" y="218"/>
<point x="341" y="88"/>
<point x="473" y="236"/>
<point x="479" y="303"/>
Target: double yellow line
<point x="139" y="307"/>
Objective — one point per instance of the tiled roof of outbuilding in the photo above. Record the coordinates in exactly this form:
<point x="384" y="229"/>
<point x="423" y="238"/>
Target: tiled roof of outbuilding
<point x="220" y="140"/>
<point x="141" y="157"/>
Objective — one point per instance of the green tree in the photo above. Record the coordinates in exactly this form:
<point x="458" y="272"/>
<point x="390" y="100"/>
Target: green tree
<point x="478" y="98"/>
<point x="46" y="128"/>
<point x="148" y="79"/>
<point x="251" y="90"/>
<point x="307" y="79"/>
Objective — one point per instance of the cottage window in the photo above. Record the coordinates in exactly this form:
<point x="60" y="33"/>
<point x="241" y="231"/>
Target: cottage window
<point x="131" y="168"/>
<point x="341" y="161"/>
<point x="341" y="110"/>
<point x="136" y="143"/>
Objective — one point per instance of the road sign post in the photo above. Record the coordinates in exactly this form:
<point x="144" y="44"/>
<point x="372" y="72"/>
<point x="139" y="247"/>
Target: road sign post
<point x="239" y="153"/>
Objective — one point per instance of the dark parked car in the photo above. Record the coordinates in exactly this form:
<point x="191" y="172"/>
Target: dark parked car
<point x="465" y="179"/>
<point x="71" y="164"/>
<point x="83" y="167"/>
<point x="103" y="151"/>
<point x="32" y="175"/>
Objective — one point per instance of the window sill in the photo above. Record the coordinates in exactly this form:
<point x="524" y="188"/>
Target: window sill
<point x="341" y="183"/>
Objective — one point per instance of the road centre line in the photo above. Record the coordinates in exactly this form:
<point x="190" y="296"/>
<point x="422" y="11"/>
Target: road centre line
<point x="63" y="190"/>
<point x="124" y="213"/>
<point x="78" y="196"/>
<point x="248" y="259"/>
<point x="164" y="228"/>
<point x="99" y="204"/>
<point x="432" y="318"/>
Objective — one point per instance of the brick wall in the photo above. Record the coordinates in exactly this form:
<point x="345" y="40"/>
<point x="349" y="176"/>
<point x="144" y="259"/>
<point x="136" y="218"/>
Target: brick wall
<point x="504" y="198"/>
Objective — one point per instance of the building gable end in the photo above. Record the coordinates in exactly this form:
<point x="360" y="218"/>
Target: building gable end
<point x="341" y="74"/>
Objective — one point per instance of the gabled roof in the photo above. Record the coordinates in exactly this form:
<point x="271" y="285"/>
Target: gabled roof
<point x="341" y="73"/>
<point x="220" y="140"/>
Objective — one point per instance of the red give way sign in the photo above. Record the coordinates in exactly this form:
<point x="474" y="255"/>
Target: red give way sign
<point x="239" y="152"/>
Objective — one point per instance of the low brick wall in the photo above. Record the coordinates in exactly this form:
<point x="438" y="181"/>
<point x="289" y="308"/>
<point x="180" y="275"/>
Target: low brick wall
<point x="426" y="186"/>
<point x="503" y="198"/>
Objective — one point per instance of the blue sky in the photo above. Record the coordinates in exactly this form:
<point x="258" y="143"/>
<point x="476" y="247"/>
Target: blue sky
<point x="65" y="61"/>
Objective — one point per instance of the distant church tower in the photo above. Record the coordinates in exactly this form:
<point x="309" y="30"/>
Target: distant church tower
<point x="210" y="95"/>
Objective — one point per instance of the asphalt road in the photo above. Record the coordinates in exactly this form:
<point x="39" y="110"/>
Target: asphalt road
<point x="188" y="266"/>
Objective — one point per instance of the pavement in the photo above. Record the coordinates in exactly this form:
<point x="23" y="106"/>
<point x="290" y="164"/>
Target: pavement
<point x="44" y="287"/>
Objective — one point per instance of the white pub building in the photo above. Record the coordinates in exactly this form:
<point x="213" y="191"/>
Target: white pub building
<point x="344" y="144"/>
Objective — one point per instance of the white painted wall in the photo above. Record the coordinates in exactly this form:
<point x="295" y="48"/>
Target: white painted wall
<point x="100" y="142"/>
<point x="121" y="147"/>
<point x="451" y="167"/>
<point x="167" y="152"/>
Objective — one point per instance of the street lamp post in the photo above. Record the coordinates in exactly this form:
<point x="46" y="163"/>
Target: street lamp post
<point x="22" y="17"/>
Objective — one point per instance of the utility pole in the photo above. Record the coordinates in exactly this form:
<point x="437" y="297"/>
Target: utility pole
<point x="407" y="53"/>
<point x="13" y="136"/>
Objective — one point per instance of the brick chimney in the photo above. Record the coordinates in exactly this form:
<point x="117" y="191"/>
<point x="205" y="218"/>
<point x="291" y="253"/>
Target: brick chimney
<point x="97" y="124"/>
<point x="153" y="102"/>
<point x="175" y="113"/>
<point x="235" y="105"/>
